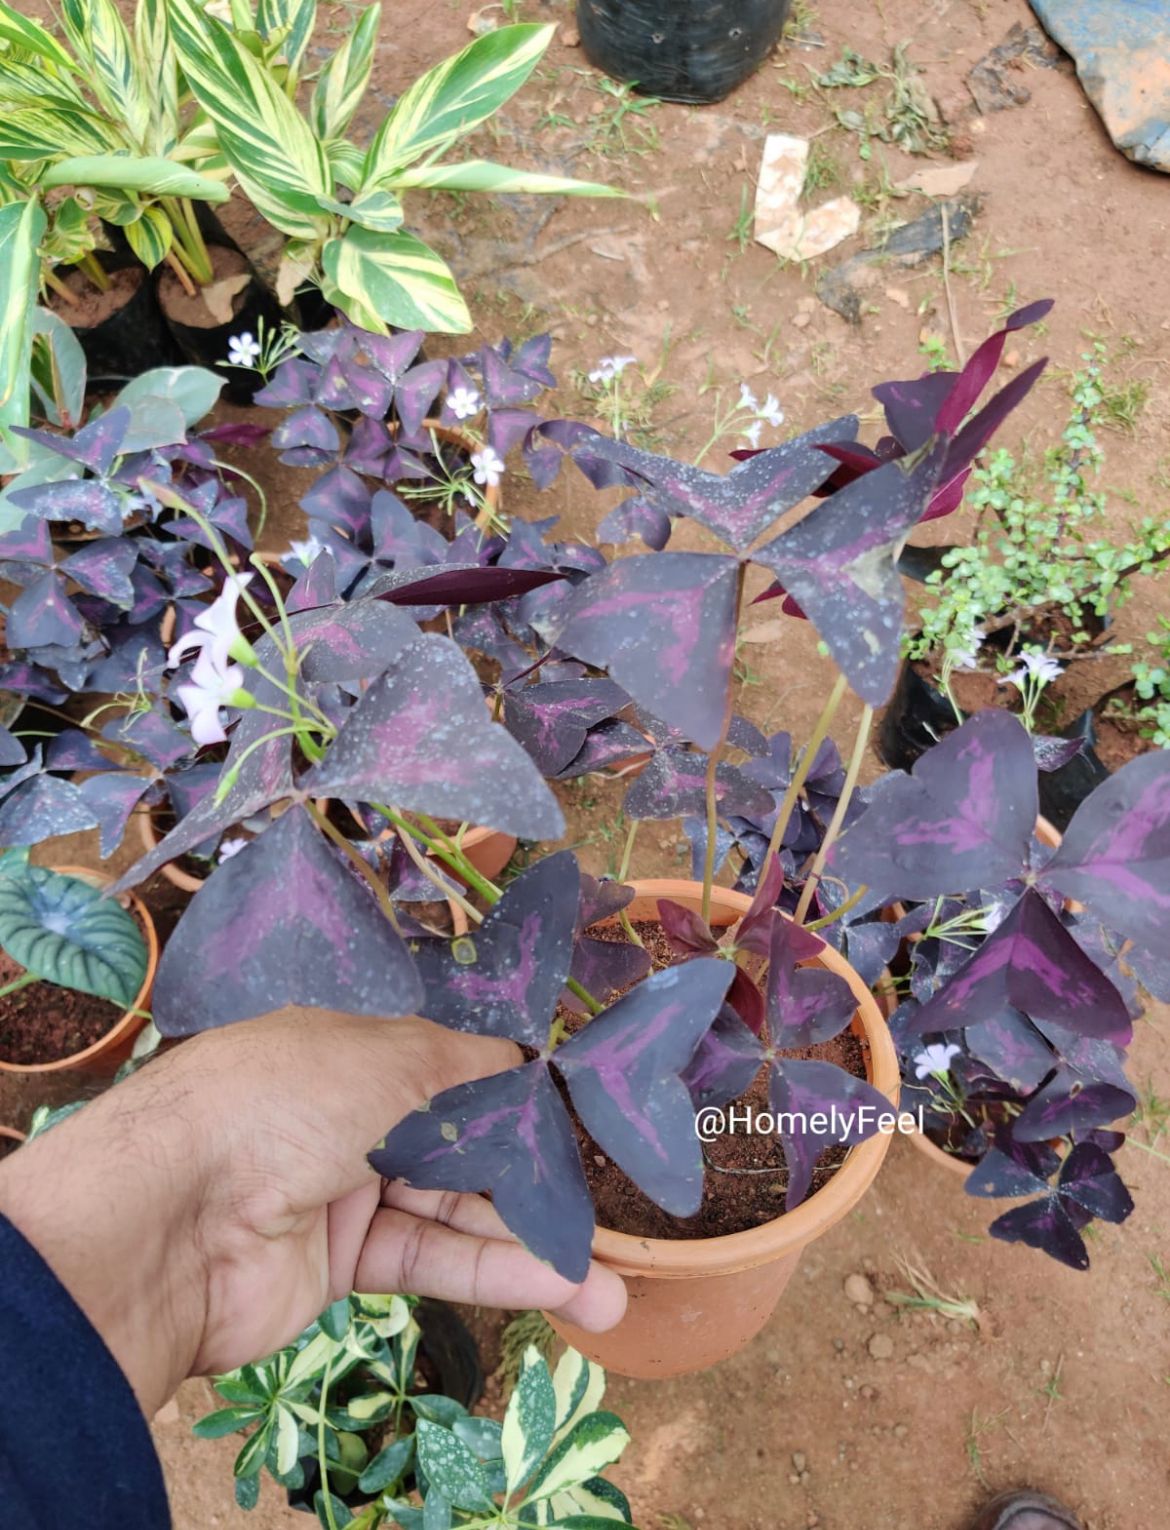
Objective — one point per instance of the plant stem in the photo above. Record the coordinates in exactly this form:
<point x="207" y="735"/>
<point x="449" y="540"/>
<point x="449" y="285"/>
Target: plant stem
<point x="93" y="268"/>
<point x="713" y="759"/>
<point x="53" y="281"/>
<point x="860" y="744"/>
<point x="176" y="266"/>
<point x="584" y="995"/>
<point x="447" y="853"/>
<point x="18" y="983"/>
<point x="189" y="246"/>
<point x="326" y="1495"/>
<point x="361" y="866"/>
<point x="628" y="850"/>
<point x="434" y="878"/>
<point x="800" y="774"/>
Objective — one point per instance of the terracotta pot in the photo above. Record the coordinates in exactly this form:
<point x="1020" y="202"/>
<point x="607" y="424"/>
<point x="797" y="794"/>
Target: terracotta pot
<point x="172" y="871"/>
<point x="110" y="1051"/>
<point x="695" y="1301"/>
<point x="10" y="1134"/>
<point x="453" y="436"/>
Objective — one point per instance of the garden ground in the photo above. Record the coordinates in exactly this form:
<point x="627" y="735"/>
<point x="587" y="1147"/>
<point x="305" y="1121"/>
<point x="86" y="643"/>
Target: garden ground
<point x="844" y="1414"/>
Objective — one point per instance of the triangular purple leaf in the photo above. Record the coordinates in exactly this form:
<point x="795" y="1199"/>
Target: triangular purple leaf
<point x="551" y="720"/>
<point x="1088" y="1177"/>
<point x="94" y="504"/>
<point x="103" y="568"/>
<point x="673" y="784"/>
<point x="821" y="1106"/>
<point x="42" y="808"/>
<point x="112" y="797"/>
<point x="43" y="614"/>
<point x="727" y="1060"/>
<point x="805" y="1005"/>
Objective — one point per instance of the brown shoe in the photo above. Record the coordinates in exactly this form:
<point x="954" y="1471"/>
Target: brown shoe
<point x="1025" y="1511"/>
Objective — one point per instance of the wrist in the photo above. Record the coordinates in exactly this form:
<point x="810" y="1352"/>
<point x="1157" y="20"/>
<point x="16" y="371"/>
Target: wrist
<point x="109" y="1199"/>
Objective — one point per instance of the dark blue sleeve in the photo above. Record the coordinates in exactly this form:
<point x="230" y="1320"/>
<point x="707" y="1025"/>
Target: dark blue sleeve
<point x="74" y="1446"/>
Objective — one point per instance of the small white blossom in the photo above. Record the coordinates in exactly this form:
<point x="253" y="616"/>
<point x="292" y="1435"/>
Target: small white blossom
<point x="1035" y="667"/>
<point x="752" y="433"/>
<point x="209" y="688"/>
<point x="771" y="411"/>
<point x="230" y="847"/>
<point x="610" y="367"/>
<point x="216" y="628"/>
<point x="488" y="467"/>
<point x="747" y="399"/>
<point x="305" y="551"/>
<point x="243" y="350"/>
<point x="464" y="403"/>
<point x="967" y="657"/>
<point x="935" y="1059"/>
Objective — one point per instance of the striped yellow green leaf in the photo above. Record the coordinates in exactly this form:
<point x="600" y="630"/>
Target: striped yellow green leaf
<point x="129" y="173"/>
<point x="343" y="81"/>
<point x="150" y="236"/>
<point x="45" y="132"/>
<point x="277" y="160"/>
<point x="98" y="35"/>
<point x="346" y="163"/>
<point x="483" y="175"/>
<point x="23" y="32"/>
<point x="157" y="63"/>
<point x="396" y="280"/>
<point x="455" y="96"/>
<point x="293" y="21"/>
<point x="24" y="82"/>
<point x="22" y="226"/>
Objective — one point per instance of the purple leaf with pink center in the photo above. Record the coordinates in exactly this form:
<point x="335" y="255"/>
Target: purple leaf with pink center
<point x="420" y="739"/>
<point x="351" y="642"/>
<point x="508" y="1135"/>
<point x="504" y="978"/>
<point x="43" y="614"/>
<point x="603" y="966"/>
<point x="551" y="720"/>
<point x="285" y="921"/>
<point x="623" y="1071"/>
<point x="839" y="564"/>
<point x="805" y="1005"/>
<point x="1033" y="964"/>
<point x="821" y="1106"/>
<point x="41" y="808"/>
<point x="664" y="628"/>
<point x="687" y="931"/>
<point x="103" y="568"/>
<point x="1013" y="1048"/>
<point x="95" y="445"/>
<point x="609" y="746"/>
<point x="1088" y="1186"/>
<point x="725" y="1062"/>
<point x="673" y="784"/>
<point x="94" y="504"/>
<point x="112" y="797"/>
<point x="963" y="819"/>
<point x="1115" y="855"/>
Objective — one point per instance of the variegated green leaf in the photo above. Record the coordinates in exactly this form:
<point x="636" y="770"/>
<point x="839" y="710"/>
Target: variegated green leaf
<point x="293" y="20"/>
<point x="396" y="279"/>
<point x="277" y="160"/>
<point x="22" y="226"/>
<point x="594" y="1443"/>
<point x="380" y="211"/>
<point x="63" y="930"/>
<point x="529" y="1421"/>
<point x="483" y="175"/>
<point x="451" y="1467"/>
<point x="596" y="1499"/>
<point x="287" y="1440"/>
<point x="579" y="1386"/>
<point x="346" y="164"/>
<point x="150" y="236"/>
<point x="455" y="96"/>
<point x="25" y="82"/>
<point x="145" y="174"/>
<point x="70" y="234"/>
<point x="46" y="132"/>
<point x="342" y="82"/>
<point x="251" y="1458"/>
<point x="157" y="63"/>
<point x="98" y="34"/>
<point x="25" y="33"/>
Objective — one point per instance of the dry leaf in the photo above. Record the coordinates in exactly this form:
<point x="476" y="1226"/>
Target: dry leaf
<point x="218" y="296"/>
<point x="480" y="22"/>
<point x="290" y="275"/>
<point x="766" y="632"/>
<point x="940" y="180"/>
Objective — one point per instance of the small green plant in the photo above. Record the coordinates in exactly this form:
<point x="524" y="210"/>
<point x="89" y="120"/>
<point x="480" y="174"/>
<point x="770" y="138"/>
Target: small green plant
<point x="821" y="172"/>
<point x="1039" y="570"/>
<point x="1151" y="678"/>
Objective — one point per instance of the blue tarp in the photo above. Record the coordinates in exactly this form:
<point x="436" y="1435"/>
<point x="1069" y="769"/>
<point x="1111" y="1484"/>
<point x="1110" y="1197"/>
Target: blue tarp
<point x="1122" y="52"/>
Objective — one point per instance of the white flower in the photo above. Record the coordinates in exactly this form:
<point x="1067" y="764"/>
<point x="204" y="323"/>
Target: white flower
<point x="1036" y="667"/>
<point x="752" y="433"/>
<point x="464" y="403"/>
<point x="488" y="467"/>
<point x="209" y="688"/>
<point x="610" y="367"/>
<point x="747" y="399"/>
<point x="230" y="847"/>
<point x="935" y="1059"/>
<point x="771" y="411"/>
<point x="217" y="628"/>
<point x="967" y="657"/>
<point x="243" y="350"/>
<point x="305" y="551"/>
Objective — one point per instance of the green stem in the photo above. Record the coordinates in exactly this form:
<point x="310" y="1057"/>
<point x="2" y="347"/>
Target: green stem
<point x="360" y="866"/>
<point x="584" y="995"/>
<point x="860" y="743"/>
<point x="432" y="875"/>
<point x="800" y="775"/>
<point x="451" y="857"/>
<point x="18" y="983"/>
<point x="96" y="272"/>
<point x="55" y="284"/>
<point x="189" y="245"/>
<point x="326" y="1495"/>
<point x="628" y="851"/>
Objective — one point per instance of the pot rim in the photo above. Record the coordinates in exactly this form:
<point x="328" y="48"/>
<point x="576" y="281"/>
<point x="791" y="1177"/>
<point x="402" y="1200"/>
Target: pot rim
<point x="130" y="1023"/>
<point x="692" y="1258"/>
<point x="13" y="1134"/>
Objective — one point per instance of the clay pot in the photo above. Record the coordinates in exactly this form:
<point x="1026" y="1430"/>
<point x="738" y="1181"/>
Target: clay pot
<point x="694" y="1302"/>
<point x="453" y="436"/>
<point x="172" y="871"/>
<point x="488" y="850"/>
<point x="10" y="1134"/>
<point x="110" y="1051"/>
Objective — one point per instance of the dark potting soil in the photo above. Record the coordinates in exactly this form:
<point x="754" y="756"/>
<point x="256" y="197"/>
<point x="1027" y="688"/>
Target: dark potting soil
<point x="179" y="305"/>
<point x="745" y="1178"/>
<point x="93" y="307"/>
<point x="44" y="1023"/>
<point x="8" y="1145"/>
<point x="1119" y="736"/>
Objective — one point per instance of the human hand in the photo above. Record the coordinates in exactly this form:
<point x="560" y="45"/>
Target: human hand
<point x="205" y="1210"/>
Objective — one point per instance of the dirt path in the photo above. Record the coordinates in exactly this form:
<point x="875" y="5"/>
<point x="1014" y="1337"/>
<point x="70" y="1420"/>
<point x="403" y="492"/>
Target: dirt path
<point x="1064" y="1382"/>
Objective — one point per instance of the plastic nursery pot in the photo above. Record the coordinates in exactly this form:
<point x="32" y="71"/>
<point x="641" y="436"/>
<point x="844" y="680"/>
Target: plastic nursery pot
<point x="681" y="50"/>
<point x="122" y="332"/>
<point x="202" y="337"/>
<point x="110" y="1051"/>
<point x="694" y="1302"/>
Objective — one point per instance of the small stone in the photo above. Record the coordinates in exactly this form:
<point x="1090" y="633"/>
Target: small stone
<point x="1012" y="359"/>
<point x="869" y="1393"/>
<point x="881" y="1347"/>
<point x="794" y="1478"/>
<point x="858" y="1290"/>
<point x="570" y="37"/>
<point x="849" y="1383"/>
<point x="804" y="1476"/>
<point x="599" y="1160"/>
<point x="802" y="321"/>
<point x="900" y="1431"/>
<point x="798" y="1460"/>
<point x="900" y="296"/>
<point x="838" y="1345"/>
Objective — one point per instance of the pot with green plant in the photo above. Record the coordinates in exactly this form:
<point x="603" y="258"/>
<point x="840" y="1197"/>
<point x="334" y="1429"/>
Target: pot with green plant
<point x="358" y="1424"/>
<point x="77" y="969"/>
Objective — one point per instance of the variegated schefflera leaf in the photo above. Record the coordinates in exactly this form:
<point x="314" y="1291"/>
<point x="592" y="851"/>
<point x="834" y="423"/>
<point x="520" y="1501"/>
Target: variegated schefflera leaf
<point x="511" y="1134"/>
<point x="284" y="921"/>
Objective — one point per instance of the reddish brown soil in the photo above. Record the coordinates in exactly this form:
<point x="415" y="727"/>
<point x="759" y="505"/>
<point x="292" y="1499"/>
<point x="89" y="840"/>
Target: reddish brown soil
<point x="44" y="1023"/>
<point x="178" y="304"/>
<point x="93" y="307"/>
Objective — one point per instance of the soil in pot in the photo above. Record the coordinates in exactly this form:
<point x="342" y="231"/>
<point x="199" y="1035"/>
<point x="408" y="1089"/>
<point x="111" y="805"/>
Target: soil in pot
<point x="745" y="1179"/>
<point x="45" y="1023"/>
<point x="121" y="330"/>
<point x="232" y="304"/>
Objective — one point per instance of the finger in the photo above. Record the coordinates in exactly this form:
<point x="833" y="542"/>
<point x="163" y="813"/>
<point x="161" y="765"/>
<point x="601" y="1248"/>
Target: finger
<point x="466" y="1213"/>
<point x="403" y="1252"/>
<point x="349" y="1222"/>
